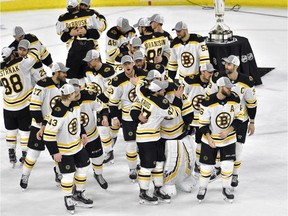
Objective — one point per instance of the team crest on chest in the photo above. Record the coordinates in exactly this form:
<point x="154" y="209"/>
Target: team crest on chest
<point x="132" y="95"/>
<point x="84" y="119"/>
<point x="187" y="59"/>
<point x="72" y="126"/>
<point x="223" y="120"/>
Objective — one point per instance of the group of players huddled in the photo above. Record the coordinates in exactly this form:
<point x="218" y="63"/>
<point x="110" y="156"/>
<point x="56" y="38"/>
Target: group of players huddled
<point x="182" y="121"/>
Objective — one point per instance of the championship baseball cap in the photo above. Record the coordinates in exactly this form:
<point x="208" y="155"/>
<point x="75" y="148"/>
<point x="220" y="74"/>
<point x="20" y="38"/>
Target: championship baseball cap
<point x="232" y="59"/>
<point x="58" y="66"/>
<point x="6" y="52"/>
<point x="157" y="85"/>
<point x="18" y="31"/>
<point x="142" y="22"/>
<point x="157" y="18"/>
<point x="24" y="44"/>
<point x="86" y="2"/>
<point x="91" y="54"/>
<point x="76" y="83"/>
<point x="126" y="58"/>
<point x="124" y="24"/>
<point x="67" y="89"/>
<point x="179" y="26"/>
<point x="72" y="3"/>
<point x="138" y="55"/>
<point x="224" y="81"/>
<point x="153" y="74"/>
<point x="207" y="67"/>
<point x="136" y="42"/>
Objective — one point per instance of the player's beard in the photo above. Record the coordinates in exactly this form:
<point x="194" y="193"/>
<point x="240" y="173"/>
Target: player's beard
<point x="226" y="94"/>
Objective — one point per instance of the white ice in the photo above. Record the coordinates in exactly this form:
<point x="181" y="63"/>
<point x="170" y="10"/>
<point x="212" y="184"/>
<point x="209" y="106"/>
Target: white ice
<point x="262" y="190"/>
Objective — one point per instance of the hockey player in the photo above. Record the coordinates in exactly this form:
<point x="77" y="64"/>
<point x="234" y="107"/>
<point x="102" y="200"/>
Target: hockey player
<point x="19" y="34"/>
<point x="188" y="52"/>
<point x="15" y="76"/>
<point x="195" y="86"/>
<point x="44" y="96"/>
<point x="122" y="90"/>
<point x="154" y="107"/>
<point x="156" y="45"/>
<point x="88" y="105"/>
<point x="117" y="39"/>
<point x="244" y="87"/>
<point x="37" y="71"/>
<point x="99" y="77"/>
<point x="85" y="5"/>
<point x="141" y="62"/>
<point x="80" y="31"/>
<point x="156" y="22"/>
<point x="220" y="116"/>
<point x="65" y="136"/>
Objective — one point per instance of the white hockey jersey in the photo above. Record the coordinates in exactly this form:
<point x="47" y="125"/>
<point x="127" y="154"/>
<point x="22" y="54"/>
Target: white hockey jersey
<point x="16" y="79"/>
<point x="186" y="57"/>
<point x="218" y="116"/>
<point x="63" y="129"/>
<point x="44" y="96"/>
<point x="243" y="87"/>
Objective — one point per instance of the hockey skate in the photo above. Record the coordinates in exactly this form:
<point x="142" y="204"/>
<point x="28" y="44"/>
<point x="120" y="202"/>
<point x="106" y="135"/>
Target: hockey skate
<point x="24" y="181"/>
<point x="201" y="194"/>
<point x="101" y="181"/>
<point x="146" y="199"/>
<point x="81" y="200"/>
<point x="162" y="197"/>
<point x="228" y="196"/>
<point x="69" y="203"/>
<point x="22" y="159"/>
<point x="133" y="174"/>
<point x="215" y="174"/>
<point x="58" y="177"/>
<point x="234" y="182"/>
<point x="109" y="157"/>
<point x="12" y="157"/>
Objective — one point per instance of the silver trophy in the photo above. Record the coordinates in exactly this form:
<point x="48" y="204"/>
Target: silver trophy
<point x="220" y="33"/>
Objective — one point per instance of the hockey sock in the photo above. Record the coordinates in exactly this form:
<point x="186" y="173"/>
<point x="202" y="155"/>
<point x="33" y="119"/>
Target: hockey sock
<point x="67" y="183"/>
<point x="11" y="139"/>
<point x="237" y="162"/>
<point x="144" y="177"/>
<point x="205" y="174"/>
<point x="226" y="173"/>
<point x="24" y="136"/>
<point x="97" y="164"/>
<point x="106" y="138"/>
<point x="157" y="174"/>
<point x="131" y="154"/>
<point x="30" y="160"/>
<point x="80" y="178"/>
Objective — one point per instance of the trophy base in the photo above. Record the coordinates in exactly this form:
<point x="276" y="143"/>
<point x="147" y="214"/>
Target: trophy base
<point x="222" y="37"/>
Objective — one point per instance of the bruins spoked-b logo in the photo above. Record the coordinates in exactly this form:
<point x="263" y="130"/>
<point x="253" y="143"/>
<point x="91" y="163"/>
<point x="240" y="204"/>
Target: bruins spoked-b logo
<point x="223" y="120"/>
<point x="72" y="126"/>
<point x="132" y="95"/>
<point x="97" y="88"/>
<point x="187" y="59"/>
<point x="84" y="119"/>
<point x="196" y="101"/>
<point x="53" y="101"/>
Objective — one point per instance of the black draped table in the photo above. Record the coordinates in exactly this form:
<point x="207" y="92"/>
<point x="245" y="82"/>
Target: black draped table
<point x="240" y="48"/>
